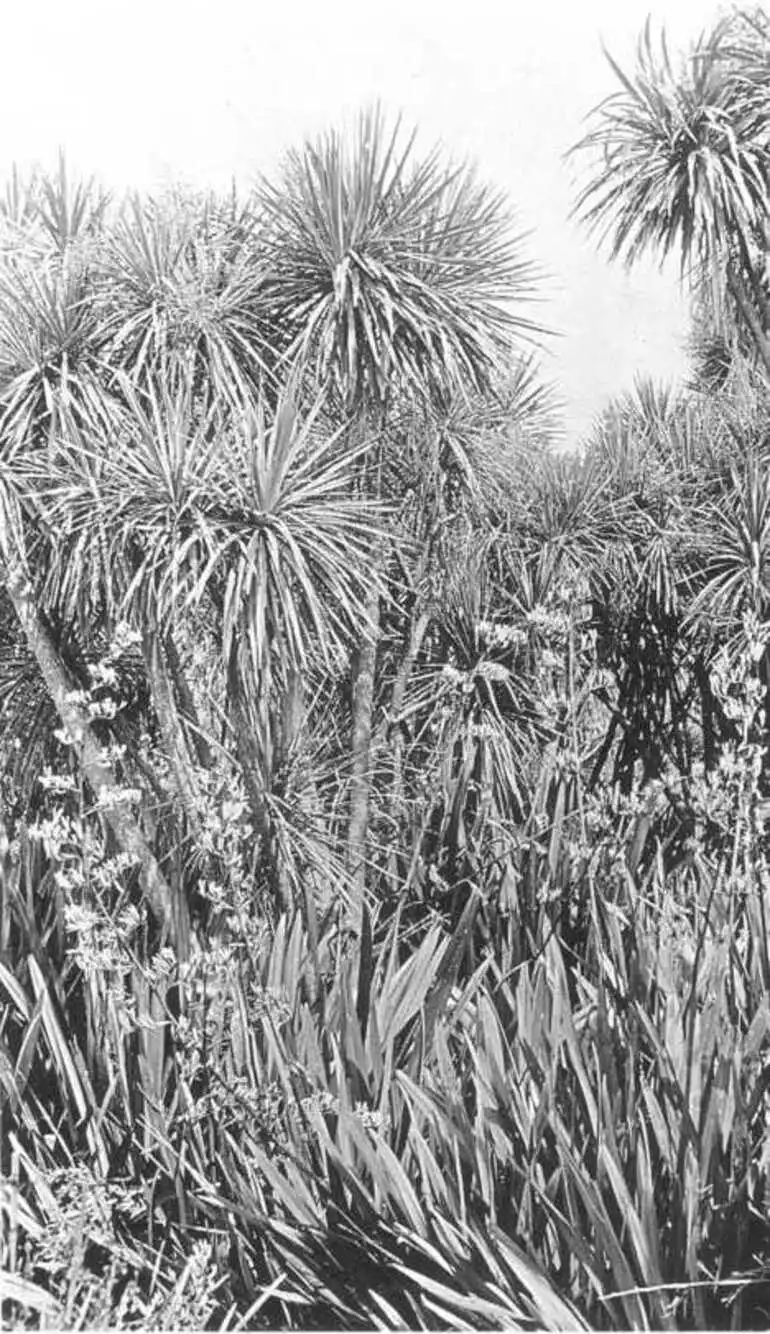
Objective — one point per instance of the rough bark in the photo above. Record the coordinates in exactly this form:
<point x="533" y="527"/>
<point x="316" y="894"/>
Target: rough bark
<point x="187" y="705"/>
<point x="174" y="740"/>
<point x="252" y="765"/>
<point x="360" y="779"/>
<point x="292" y="716"/>
<point x="97" y="772"/>
<point x="416" y="636"/>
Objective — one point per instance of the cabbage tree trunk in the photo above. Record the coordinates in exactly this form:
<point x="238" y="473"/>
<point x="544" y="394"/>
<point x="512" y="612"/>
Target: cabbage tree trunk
<point x="361" y="746"/>
<point x="180" y="759"/>
<point x="95" y="769"/>
<point x="397" y="725"/>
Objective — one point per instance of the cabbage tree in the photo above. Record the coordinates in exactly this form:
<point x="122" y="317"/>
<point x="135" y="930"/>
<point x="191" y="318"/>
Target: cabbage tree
<point x="396" y="278"/>
<point x="681" y="166"/>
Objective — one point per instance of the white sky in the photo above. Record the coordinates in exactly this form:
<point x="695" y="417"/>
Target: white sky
<point x="142" y="92"/>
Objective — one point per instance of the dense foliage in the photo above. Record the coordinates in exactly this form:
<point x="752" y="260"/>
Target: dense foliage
<point x="384" y="870"/>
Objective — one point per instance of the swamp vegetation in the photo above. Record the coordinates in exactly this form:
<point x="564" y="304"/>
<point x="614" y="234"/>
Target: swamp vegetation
<point x="385" y="867"/>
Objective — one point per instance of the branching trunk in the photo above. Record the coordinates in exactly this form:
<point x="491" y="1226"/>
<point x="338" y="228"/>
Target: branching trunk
<point x="97" y="772"/>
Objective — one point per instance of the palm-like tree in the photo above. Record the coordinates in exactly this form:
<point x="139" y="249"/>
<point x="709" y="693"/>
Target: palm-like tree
<point x="51" y="343"/>
<point x="681" y="557"/>
<point x="181" y="279"/>
<point x="395" y="279"/>
<point x="144" y="475"/>
<point x="179" y="487"/>
<point x="684" y="165"/>
<point x="391" y="273"/>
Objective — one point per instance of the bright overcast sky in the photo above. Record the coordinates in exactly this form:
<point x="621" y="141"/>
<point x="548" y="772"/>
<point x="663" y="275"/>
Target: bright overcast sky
<point x="149" y="91"/>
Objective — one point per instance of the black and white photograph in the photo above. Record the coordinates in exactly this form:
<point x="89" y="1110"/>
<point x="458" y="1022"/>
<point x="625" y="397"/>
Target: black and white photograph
<point x="385" y="665"/>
